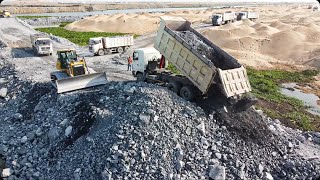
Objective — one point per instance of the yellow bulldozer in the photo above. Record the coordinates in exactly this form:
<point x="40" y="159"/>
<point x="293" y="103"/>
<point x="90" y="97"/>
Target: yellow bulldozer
<point x="73" y="73"/>
<point x="5" y="14"/>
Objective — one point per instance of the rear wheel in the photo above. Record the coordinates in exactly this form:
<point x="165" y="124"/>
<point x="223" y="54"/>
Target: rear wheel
<point x="187" y="93"/>
<point x="120" y="49"/>
<point x="174" y="86"/>
<point x="126" y="48"/>
<point x="100" y="52"/>
<point x="140" y="77"/>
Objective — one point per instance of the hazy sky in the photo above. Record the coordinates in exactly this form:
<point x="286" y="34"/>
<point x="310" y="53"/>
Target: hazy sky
<point x="101" y="1"/>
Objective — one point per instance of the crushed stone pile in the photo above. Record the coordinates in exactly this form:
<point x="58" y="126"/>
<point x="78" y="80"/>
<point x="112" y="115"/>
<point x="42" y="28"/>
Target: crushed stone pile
<point x="2" y="45"/>
<point x="51" y="21"/>
<point x="137" y="130"/>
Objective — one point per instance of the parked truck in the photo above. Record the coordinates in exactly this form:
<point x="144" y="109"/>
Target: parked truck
<point x="220" y="19"/>
<point x="107" y="45"/>
<point x="41" y="44"/>
<point x="201" y="73"/>
<point x="247" y="15"/>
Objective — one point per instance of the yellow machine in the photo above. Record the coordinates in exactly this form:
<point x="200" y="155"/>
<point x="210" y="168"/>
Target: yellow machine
<point x="73" y="73"/>
<point x="5" y="14"/>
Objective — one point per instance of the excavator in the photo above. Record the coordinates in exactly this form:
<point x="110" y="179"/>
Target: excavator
<point x="73" y="73"/>
<point x="5" y="14"/>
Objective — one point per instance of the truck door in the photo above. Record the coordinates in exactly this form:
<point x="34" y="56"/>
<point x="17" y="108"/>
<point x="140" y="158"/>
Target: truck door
<point x="136" y="67"/>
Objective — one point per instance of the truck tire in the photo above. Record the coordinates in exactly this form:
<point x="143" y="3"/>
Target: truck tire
<point x="126" y="48"/>
<point x="174" y="86"/>
<point x="187" y="93"/>
<point x="100" y="52"/>
<point x="107" y="51"/>
<point x="140" y="77"/>
<point x="120" y="50"/>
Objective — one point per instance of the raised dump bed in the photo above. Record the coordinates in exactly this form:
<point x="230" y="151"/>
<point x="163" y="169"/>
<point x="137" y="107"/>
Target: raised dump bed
<point x="197" y="58"/>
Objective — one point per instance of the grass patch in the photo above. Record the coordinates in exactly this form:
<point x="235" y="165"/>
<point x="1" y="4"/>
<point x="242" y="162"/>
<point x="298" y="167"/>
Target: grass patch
<point x="265" y="85"/>
<point x="32" y="17"/>
<point x="64" y="24"/>
<point x="80" y="38"/>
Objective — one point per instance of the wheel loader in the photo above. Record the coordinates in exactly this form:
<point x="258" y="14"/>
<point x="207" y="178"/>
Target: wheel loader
<point x="73" y="73"/>
<point x="5" y="14"/>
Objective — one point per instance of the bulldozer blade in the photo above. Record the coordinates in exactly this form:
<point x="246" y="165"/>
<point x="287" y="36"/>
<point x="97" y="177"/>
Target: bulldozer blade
<point x="81" y="82"/>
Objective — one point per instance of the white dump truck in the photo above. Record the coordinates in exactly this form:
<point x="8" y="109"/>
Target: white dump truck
<point x="203" y="70"/>
<point x="247" y="15"/>
<point x="107" y="45"/>
<point x="41" y="44"/>
<point x="220" y="19"/>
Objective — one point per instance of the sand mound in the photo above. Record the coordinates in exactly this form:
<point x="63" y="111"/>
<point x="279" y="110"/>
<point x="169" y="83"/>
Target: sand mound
<point x="257" y="25"/>
<point x="228" y="26"/>
<point x="243" y="30"/>
<point x="247" y="22"/>
<point x="280" y="25"/>
<point x="313" y="26"/>
<point x="306" y="20"/>
<point x="266" y="30"/>
<point x="218" y="36"/>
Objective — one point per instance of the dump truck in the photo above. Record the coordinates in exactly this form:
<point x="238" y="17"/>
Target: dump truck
<point x="5" y="14"/>
<point x="203" y="68"/>
<point x="73" y="73"/>
<point x="247" y="15"/>
<point x="108" y="45"/>
<point x="220" y="19"/>
<point x="41" y="44"/>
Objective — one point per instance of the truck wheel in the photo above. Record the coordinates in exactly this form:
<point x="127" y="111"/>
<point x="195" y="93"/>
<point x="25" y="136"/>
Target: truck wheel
<point x="187" y="93"/>
<point x="100" y="52"/>
<point x="174" y="86"/>
<point x="126" y="48"/>
<point x="120" y="49"/>
<point x="140" y="77"/>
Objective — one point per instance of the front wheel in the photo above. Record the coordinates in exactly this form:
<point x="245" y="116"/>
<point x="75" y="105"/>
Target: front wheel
<point x="140" y="77"/>
<point x="174" y="86"/>
<point x="100" y="52"/>
<point x="187" y="93"/>
<point x="120" y="49"/>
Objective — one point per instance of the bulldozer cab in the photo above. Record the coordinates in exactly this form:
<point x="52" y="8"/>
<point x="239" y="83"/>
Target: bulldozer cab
<point x="68" y="61"/>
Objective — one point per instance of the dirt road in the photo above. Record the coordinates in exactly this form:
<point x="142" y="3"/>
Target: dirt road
<point x="37" y="69"/>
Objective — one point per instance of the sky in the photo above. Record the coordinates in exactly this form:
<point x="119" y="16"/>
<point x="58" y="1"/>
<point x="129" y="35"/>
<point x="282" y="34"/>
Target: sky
<point x="102" y="1"/>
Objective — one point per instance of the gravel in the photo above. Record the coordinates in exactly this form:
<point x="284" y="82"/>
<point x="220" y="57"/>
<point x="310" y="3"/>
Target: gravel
<point x="51" y="21"/>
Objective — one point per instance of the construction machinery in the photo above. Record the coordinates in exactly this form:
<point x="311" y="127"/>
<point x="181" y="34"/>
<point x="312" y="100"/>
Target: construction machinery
<point x="247" y="15"/>
<point x="108" y="45"/>
<point x="220" y="19"/>
<point x="73" y="73"/>
<point x="41" y="44"/>
<point x="5" y="14"/>
<point x="203" y="69"/>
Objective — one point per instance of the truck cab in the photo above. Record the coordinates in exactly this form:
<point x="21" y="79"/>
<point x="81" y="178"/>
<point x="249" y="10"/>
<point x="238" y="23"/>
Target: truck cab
<point x="43" y="46"/>
<point x="217" y="19"/>
<point x="242" y="16"/>
<point x="96" y="45"/>
<point x="141" y="58"/>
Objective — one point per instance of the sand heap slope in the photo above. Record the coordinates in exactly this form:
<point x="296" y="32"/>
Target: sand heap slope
<point x="282" y="35"/>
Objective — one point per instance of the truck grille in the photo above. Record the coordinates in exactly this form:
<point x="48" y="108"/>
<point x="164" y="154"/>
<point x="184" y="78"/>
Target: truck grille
<point x="78" y="70"/>
<point x="45" y="48"/>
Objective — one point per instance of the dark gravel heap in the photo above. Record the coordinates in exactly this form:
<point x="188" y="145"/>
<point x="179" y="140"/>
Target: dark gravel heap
<point x="50" y="21"/>
<point x="140" y="131"/>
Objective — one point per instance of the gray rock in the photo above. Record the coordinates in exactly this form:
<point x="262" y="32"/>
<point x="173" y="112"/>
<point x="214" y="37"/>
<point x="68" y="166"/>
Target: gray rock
<point x="18" y="116"/>
<point x="217" y="172"/>
<point x="24" y="139"/>
<point x="260" y="170"/>
<point x="77" y="174"/>
<point x="39" y="131"/>
<point x="145" y="118"/>
<point x="179" y="165"/>
<point x="68" y="131"/>
<point x="301" y="138"/>
<point x="218" y="155"/>
<point x="64" y="122"/>
<point x="6" y="172"/>
<point x="3" y="81"/>
<point x="3" y="92"/>
<point x="54" y="133"/>
<point x="39" y="107"/>
<point x="267" y="176"/>
<point x="106" y="175"/>
<point x="201" y="127"/>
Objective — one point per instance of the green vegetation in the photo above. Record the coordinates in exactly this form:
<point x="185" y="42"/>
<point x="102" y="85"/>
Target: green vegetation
<point x="32" y="17"/>
<point x="265" y="85"/>
<point x="80" y="38"/>
<point x="64" y="24"/>
<point x="173" y="69"/>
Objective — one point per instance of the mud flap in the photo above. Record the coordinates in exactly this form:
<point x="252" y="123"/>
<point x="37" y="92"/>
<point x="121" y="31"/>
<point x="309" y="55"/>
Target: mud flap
<point x="81" y="82"/>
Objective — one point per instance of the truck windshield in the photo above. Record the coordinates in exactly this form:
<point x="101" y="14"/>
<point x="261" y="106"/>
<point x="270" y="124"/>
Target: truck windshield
<point x="43" y="42"/>
<point x="216" y="17"/>
<point x="94" y="41"/>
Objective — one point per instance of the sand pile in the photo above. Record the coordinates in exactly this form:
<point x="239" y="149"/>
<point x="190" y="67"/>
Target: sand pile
<point x="282" y="34"/>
